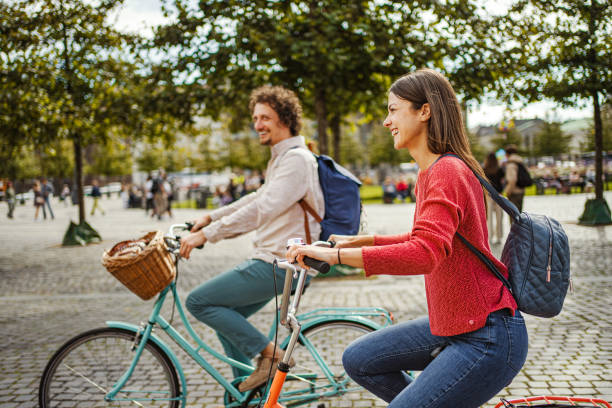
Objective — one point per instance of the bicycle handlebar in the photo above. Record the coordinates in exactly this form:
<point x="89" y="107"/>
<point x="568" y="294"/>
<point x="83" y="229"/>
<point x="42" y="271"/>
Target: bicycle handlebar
<point x="173" y="236"/>
<point x="321" y="266"/>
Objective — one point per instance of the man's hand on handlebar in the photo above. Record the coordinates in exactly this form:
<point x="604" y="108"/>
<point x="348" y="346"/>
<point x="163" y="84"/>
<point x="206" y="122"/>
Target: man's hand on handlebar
<point x="201" y="223"/>
<point x="191" y="241"/>
<point x="298" y="252"/>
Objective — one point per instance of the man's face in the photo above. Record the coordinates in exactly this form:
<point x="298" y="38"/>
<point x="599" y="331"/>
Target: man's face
<point x="268" y="126"/>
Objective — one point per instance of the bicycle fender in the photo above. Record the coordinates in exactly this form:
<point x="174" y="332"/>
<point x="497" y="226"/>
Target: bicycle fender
<point x="159" y="342"/>
<point x="325" y="319"/>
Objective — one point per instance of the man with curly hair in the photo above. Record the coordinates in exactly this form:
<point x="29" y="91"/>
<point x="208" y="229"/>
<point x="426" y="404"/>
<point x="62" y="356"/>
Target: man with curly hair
<point x="226" y="301"/>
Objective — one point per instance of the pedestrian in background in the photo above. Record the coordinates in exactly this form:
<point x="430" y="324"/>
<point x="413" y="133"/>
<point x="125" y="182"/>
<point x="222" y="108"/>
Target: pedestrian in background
<point x="389" y="191"/>
<point x="495" y="174"/>
<point x="39" y="200"/>
<point x="402" y="188"/>
<point x="96" y="194"/>
<point x="514" y="193"/>
<point x="160" y="198"/>
<point x="64" y="194"/>
<point x="169" y="190"/>
<point x="9" y="194"/>
<point x="148" y="194"/>
<point x="47" y="192"/>
<point x="125" y="195"/>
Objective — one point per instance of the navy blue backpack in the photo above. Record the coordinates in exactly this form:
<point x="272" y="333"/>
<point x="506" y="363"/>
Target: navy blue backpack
<point x="537" y="256"/>
<point x="342" y="200"/>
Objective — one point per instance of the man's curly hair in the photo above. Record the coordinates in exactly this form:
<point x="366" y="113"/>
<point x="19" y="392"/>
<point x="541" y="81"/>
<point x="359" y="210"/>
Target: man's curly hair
<point x="284" y="102"/>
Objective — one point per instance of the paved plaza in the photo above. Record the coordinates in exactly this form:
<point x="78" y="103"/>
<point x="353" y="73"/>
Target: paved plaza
<point x="50" y="293"/>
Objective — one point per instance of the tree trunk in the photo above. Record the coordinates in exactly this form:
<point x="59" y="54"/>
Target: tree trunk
<point x="598" y="147"/>
<point x="321" y="113"/>
<point x="78" y="176"/>
<point x="336" y="136"/>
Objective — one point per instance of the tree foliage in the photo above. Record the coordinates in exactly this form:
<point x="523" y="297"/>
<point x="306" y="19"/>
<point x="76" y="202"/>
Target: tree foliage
<point x="68" y="75"/>
<point x="563" y="51"/>
<point x="551" y="140"/>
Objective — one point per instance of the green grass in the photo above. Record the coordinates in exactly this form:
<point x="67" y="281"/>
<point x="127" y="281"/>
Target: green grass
<point x="372" y="194"/>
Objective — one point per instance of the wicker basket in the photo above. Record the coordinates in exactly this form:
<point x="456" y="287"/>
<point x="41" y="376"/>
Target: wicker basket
<point x="145" y="273"/>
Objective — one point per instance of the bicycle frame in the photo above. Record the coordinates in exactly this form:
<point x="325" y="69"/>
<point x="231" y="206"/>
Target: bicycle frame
<point x="144" y="333"/>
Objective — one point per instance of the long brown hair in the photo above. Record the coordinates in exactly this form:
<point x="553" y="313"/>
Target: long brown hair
<point x="446" y="133"/>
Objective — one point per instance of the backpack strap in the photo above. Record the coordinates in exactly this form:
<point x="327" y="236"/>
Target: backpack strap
<point x="502" y="201"/>
<point x="507" y="206"/>
<point x="488" y="263"/>
<point x="308" y="210"/>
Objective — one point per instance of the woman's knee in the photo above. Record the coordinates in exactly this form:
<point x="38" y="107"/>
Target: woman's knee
<point x="352" y="359"/>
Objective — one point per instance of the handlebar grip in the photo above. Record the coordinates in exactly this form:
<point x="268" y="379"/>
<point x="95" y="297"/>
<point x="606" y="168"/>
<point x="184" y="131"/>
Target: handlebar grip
<point x="321" y="266"/>
<point x="189" y="227"/>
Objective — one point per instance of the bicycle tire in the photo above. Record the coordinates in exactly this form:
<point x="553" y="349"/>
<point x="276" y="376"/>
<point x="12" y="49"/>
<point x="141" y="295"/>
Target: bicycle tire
<point x="330" y="339"/>
<point x="86" y="367"/>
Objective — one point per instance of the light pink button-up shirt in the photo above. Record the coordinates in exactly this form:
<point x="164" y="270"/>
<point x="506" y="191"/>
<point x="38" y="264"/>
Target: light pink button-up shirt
<point x="272" y="211"/>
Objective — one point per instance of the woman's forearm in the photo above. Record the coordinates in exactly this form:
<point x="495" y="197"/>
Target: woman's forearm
<point x="355" y="241"/>
<point x="351" y="257"/>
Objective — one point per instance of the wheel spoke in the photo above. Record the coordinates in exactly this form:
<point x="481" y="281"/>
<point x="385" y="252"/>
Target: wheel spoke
<point x="88" y="366"/>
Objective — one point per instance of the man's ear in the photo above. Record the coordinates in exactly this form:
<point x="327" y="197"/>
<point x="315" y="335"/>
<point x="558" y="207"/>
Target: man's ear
<point x="425" y="112"/>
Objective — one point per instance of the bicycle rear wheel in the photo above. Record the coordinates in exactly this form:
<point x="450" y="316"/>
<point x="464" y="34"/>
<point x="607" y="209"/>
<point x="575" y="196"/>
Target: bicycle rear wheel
<point x="84" y="369"/>
<point x="329" y="339"/>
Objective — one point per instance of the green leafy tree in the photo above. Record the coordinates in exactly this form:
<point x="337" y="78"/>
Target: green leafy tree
<point x="478" y="150"/>
<point x="113" y="158"/>
<point x="551" y="141"/>
<point x="588" y="144"/>
<point x="381" y="149"/>
<point x="337" y="56"/>
<point x="563" y="51"/>
<point x="66" y="75"/>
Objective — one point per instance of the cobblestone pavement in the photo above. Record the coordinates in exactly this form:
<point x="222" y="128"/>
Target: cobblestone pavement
<point x="50" y="293"/>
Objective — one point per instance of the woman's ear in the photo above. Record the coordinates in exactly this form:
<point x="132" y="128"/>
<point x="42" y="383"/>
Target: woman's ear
<point x="425" y="113"/>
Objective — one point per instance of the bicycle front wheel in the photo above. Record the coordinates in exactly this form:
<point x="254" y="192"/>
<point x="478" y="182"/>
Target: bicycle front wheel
<point x="87" y="367"/>
<point x="318" y="360"/>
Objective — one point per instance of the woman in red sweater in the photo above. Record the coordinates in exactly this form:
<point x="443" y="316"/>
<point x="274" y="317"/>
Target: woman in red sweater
<point x="474" y="341"/>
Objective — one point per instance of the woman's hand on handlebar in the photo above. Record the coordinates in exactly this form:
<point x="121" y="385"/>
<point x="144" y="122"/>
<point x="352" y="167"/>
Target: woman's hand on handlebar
<point x="191" y="241"/>
<point x="201" y="223"/>
<point x="351" y="241"/>
<point x="298" y="252"/>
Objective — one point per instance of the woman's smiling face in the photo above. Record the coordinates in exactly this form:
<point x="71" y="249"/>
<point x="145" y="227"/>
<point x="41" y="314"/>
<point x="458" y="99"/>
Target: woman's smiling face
<point x="407" y="124"/>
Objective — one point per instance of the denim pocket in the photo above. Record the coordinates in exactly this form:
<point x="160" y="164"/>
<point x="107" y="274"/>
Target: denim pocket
<point x="517" y="341"/>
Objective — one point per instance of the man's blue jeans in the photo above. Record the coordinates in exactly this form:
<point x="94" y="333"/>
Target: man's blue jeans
<point x="227" y="300"/>
<point x="469" y="370"/>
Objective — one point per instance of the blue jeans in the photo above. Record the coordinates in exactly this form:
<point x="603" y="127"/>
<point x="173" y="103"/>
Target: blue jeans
<point x="469" y="370"/>
<point x="227" y="300"/>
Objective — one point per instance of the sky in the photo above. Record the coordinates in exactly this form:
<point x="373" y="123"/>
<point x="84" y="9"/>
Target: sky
<point x="141" y="15"/>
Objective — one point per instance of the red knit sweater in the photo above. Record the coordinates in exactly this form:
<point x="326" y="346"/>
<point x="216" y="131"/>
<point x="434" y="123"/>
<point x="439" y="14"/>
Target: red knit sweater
<point x="460" y="290"/>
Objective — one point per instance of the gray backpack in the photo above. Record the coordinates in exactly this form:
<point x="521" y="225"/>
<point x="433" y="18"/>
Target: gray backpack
<point x="537" y="256"/>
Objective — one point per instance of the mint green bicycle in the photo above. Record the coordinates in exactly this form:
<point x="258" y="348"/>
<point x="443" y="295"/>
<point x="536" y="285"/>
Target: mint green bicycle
<point x="128" y="365"/>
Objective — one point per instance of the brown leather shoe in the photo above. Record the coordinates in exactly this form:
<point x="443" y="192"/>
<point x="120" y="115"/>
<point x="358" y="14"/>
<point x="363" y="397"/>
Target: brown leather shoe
<point x="260" y="375"/>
